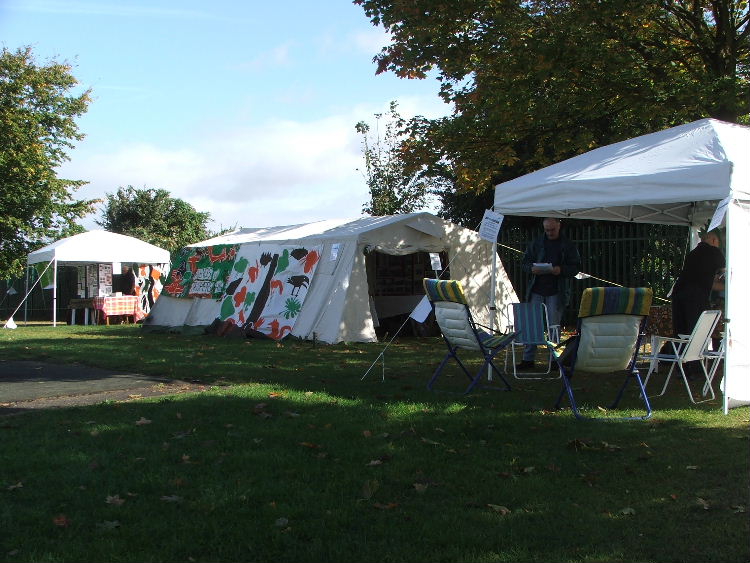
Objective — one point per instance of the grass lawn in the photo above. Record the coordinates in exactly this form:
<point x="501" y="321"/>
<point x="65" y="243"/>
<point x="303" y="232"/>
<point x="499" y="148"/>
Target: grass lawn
<point x="290" y="456"/>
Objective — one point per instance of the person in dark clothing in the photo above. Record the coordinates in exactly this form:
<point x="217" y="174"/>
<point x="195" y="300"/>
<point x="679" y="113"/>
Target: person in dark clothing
<point x="129" y="281"/>
<point x="692" y="290"/>
<point x="551" y="284"/>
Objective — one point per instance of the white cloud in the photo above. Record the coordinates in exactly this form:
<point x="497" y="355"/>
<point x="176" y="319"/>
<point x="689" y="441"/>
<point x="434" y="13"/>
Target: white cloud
<point x="371" y="41"/>
<point x="271" y="58"/>
<point x="275" y="173"/>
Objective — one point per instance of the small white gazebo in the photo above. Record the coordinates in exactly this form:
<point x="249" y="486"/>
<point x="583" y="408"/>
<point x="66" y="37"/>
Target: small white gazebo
<point x="95" y="247"/>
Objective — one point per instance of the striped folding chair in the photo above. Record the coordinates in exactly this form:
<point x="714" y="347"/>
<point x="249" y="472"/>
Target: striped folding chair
<point x="460" y="332"/>
<point x="532" y="328"/>
<point x="611" y="325"/>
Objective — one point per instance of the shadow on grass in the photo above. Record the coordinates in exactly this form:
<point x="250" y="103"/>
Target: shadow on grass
<point x="290" y="456"/>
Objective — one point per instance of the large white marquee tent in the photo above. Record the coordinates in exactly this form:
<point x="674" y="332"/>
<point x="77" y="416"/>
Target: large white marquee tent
<point x="95" y="247"/>
<point x="340" y="303"/>
<point x="685" y="175"/>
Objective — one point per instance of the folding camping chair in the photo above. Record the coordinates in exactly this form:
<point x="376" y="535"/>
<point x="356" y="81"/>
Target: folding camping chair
<point x="611" y="323"/>
<point x="687" y="348"/>
<point x="460" y="332"/>
<point x="531" y="325"/>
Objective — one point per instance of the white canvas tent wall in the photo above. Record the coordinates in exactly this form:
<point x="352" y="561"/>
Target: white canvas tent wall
<point x="677" y="176"/>
<point x="337" y="305"/>
<point x="95" y="247"/>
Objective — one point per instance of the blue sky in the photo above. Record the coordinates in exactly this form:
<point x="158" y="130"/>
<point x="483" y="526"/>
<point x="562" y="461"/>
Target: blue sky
<point x="245" y="109"/>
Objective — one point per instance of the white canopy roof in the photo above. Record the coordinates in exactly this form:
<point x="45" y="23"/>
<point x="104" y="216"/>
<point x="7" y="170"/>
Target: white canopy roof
<point x="674" y="176"/>
<point x="100" y="247"/>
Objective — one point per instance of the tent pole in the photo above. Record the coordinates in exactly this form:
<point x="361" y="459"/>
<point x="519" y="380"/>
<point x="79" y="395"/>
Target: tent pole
<point x="54" y="295"/>
<point x="25" y="303"/>
<point x="727" y="302"/>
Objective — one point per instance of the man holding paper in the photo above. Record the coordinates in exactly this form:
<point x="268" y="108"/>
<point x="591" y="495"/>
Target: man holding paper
<point x="552" y="260"/>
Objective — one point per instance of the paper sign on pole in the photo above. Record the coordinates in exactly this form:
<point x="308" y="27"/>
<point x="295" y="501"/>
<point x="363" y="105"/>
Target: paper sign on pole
<point x="422" y="310"/>
<point x="490" y="227"/>
<point x="435" y="261"/>
<point x="721" y="211"/>
<point x="335" y="251"/>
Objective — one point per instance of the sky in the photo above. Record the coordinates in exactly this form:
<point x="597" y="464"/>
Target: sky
<point x="244" y="109"/>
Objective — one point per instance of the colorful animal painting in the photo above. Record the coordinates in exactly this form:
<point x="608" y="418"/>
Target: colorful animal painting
<point x="265" y="295"/>
<point x="201" y="272"/>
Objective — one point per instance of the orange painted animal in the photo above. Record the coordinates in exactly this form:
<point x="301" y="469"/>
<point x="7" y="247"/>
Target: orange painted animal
<point x="277" y="333"/>
<point x="277" y="284"/>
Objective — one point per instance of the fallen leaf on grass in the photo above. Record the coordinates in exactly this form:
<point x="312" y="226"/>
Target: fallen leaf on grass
<point x="502" y="510"/>
<point x="420" y="487"/>
<point x="703" y="503"/>
<point x="61" y="521"/>
<point x="738" y="509"/>
<point x="108" y="525"/>
<point x="388" y="506"/>
<point x="528" y="470"/>
<point x="141" y="421"/>
<point x="375" y="462"/>
<point x="691" y="467"/>
<point x="431" y="442"/>
<point x="578" y="444"/>
<point x="366" y="433"/>
<point x="369" y="488"/>
<point x="291" y="414"/>
<point x="18" y="485"/>
<point x="627" y="511"/>
<point x="171" y="498"/>
<point x="310" y="445"/>
<point x="281" y="522"/>
<point x="115" y="499"/>
<point x="275" y="395"/>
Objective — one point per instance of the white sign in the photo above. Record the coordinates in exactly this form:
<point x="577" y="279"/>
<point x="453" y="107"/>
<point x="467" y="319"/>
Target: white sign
<point x="721" y="210"/>
<point x="435" y="261"/>
<point x="335" y="251"/>
<point x="490" y="227"/>
<point x="422" y="310"/>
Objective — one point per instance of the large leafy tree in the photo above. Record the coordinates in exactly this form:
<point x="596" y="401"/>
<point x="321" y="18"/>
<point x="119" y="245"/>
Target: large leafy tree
<point x="534" y="82"/>
<point x="37" y="127"/>
<point x="154" y="216"/>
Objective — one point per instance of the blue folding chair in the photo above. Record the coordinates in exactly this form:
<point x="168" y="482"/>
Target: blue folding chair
<point x="611" y="325"/>
<point x="460" y="332"/>
<point x="532" y="329"/>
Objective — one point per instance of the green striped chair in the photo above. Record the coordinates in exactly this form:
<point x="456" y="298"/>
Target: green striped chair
<point x="460" y="332"/>
<point x="611" y="325"/>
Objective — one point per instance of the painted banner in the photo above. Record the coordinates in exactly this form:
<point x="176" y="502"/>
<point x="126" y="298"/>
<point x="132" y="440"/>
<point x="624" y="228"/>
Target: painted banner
<point x="201" y="272"/>
<point x="267" y="288"/>
<point x="148" y="284"/>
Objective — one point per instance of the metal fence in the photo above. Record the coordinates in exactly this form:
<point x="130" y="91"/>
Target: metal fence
<point x="38" y="306"/>
<point x="627" y="254"/>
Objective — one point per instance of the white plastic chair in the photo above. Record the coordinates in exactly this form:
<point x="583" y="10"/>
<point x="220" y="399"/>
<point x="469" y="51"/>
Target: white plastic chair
<point x="687" y="348"/>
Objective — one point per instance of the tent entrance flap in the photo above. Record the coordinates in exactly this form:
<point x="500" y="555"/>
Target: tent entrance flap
<point x="395" y="286"/>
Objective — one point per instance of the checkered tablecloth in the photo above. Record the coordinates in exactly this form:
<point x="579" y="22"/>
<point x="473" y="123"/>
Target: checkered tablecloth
<point x="125" y="305"/>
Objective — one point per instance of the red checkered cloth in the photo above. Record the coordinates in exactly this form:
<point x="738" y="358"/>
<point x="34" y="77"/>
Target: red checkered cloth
<point x="125" y="305"/>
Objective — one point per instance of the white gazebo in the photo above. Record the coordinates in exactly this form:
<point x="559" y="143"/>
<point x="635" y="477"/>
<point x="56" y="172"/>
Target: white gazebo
<point x="685" y="175"/>
<point x="95" y="247"/>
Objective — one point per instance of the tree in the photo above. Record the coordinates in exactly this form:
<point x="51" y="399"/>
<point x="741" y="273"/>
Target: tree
<point x="37" y="120"/>
<point x="394" y="187"/>
<point x="535" y="82"/>
<point x="154" y="216"/>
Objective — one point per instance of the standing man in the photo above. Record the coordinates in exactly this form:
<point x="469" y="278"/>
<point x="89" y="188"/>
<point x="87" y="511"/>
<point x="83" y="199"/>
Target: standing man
<point x="549" y="284"/>
<point x="692" y="290"/>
